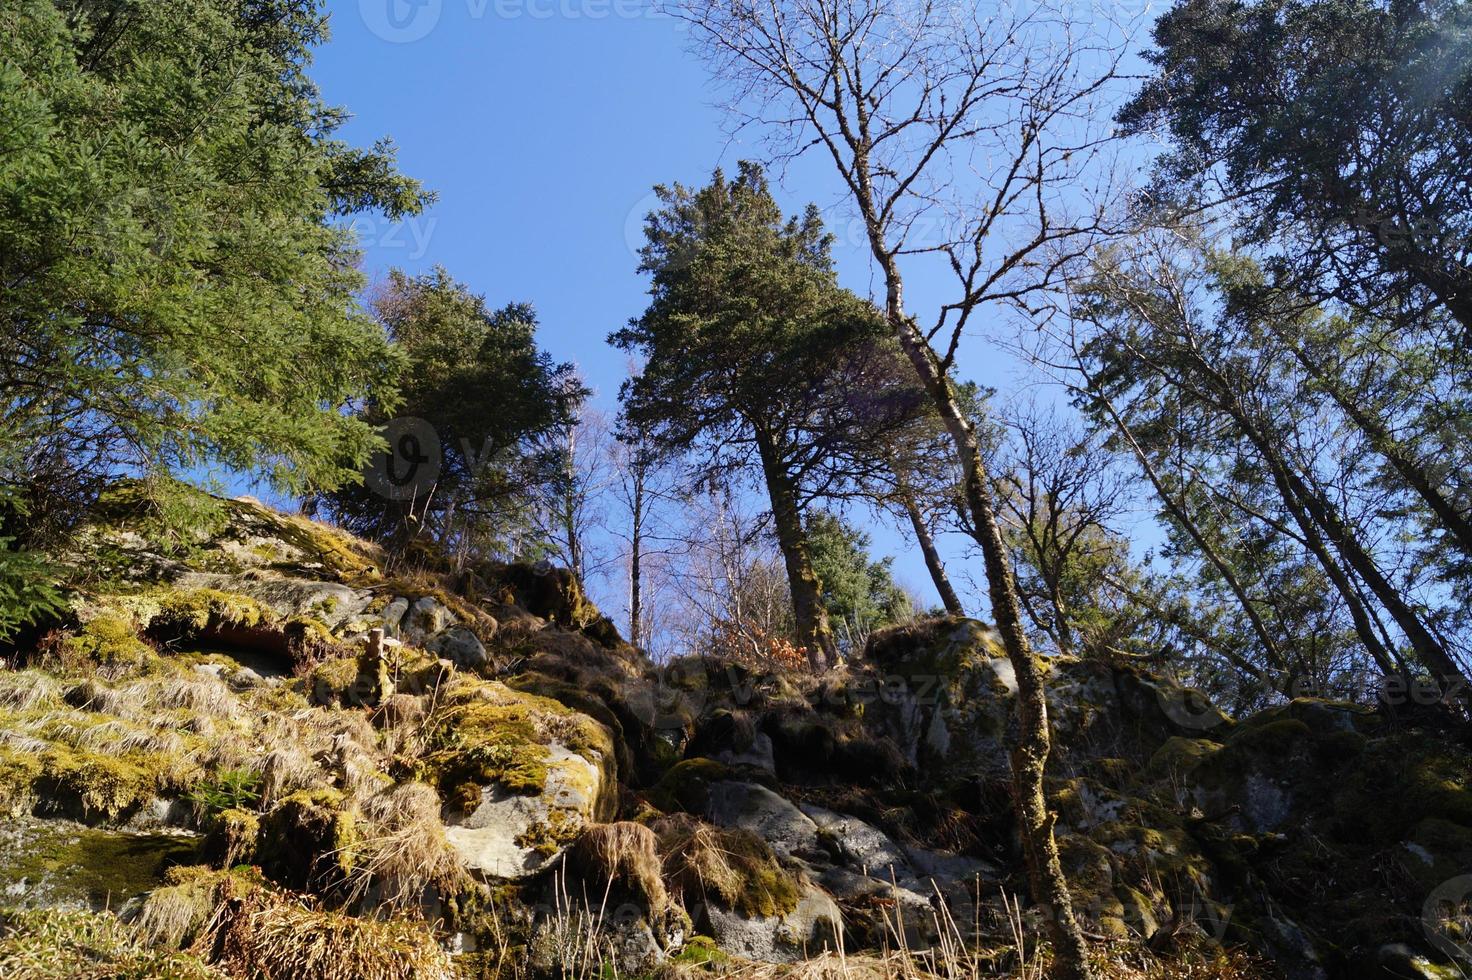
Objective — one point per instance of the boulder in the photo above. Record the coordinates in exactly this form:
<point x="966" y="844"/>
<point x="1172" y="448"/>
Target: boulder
<point x="512" y="835"/>
<point x="460" y="646"/>
<point x="339" y="607"/>
<point x="813" y="926"/>
<point x="773" y="818"/>
<point x="426" y="617"/>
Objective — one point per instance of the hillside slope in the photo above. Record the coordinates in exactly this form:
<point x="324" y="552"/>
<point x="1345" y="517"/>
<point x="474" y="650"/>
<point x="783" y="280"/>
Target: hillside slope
<point x="212" y="751"/>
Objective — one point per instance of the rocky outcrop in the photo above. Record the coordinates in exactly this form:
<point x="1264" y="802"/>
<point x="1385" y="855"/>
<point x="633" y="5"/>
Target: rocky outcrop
<point x="510" y="835"/>
<point x="217" y="687"/>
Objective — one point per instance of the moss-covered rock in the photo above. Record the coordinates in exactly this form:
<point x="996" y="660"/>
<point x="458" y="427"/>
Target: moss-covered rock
<point x="309" y="840"/>
<point x="520" y="774"/>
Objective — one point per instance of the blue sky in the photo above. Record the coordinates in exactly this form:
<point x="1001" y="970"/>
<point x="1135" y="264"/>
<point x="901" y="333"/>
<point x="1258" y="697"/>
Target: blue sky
<point x="542" y="125"/>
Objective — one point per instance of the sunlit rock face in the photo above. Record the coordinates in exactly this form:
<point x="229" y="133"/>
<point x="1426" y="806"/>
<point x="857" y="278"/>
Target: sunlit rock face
<point x="220" y="702"/>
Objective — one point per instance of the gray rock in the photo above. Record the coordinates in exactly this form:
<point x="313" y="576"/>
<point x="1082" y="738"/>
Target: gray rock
<point x="493" y="839"/>
<point x="809" y="929"/>
<point x="861" y="847"/>
<point x="757" y="755"/>
<point x="393" y="615"/>
<point x="426" y="617"/>
<point x="331" y="603"/>
<point x="458" y="645"/>
<point x="749" y="806"/>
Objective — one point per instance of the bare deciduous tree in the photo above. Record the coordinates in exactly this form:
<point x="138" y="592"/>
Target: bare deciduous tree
<point x="572" y="512"/>
<point x="644" y="487"/>
<point x="961" y="133"/>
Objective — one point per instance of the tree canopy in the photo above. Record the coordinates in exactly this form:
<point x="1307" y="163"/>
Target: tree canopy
<point x="754" y="357"/>
<point x="490" y="404"/>
<point x="175" y="289"/>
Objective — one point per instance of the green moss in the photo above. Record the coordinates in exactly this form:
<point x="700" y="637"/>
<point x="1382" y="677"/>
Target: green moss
<point x="109" y="645"/>
<point x="766" y="889"/>
<point x="1113" y="772"/>
<point x="332" y="682"/>
<point x="576" y="698"/>
<point x="101" y="785"/>
<point x="1275" y="736"/>
<point x="735" y="867"/>
<point x="943" y="648"/>
<point x="686" y="785"/>
<point x="548" y="837"/>
<point x="484" y="732"/>
<point x="66" y="864"/>
<point x="1180" y="755"/>
<point x="1340" y="746"/>
<point x="339" y="552"/>
<point x="700" y="951"/>
<point x="310" y="840"/>
<point x="196" y="610"/>
<point x="1426" y="778"/>
<point x="19" y="772"/>
<point x="235" y="836"/>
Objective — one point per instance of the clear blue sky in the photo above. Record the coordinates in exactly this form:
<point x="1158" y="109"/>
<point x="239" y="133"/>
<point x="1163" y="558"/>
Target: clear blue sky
<point x="542" y="125"/>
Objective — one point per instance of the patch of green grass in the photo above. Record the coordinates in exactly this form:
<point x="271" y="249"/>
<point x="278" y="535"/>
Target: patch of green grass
<point x="230" y="789"/>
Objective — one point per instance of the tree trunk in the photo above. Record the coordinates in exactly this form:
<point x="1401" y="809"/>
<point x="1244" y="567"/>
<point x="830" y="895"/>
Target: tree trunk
<point x="932" y="557"/>
<point x="1315" y="541"/>
<point x="1062" y="631"/>
<point x="636" y="547"/>
<point x="1385" y="443"/>
<point x="1320" y="511"/>
<point x="811" y="616"/>
<point x="1270" y="647"/>
<point x="1429" y="651"/>
<point x="1034" y="740"/>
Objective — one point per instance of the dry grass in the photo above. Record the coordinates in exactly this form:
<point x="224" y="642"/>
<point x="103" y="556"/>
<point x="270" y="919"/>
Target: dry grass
<point x="735" y="867"/>
<point x="274" y="939"/>
<point x="248" y="931"/>
<point x="403" y="857"/>
<point x="92" y="695"/>
<point x="1017" y="957"/>
<point x="207" y="696"/>
<point x="118" y="737"/>
<point x="897" y="965"/>
<point x="624" y="857"/>
<point x="574" y="937"/>
<point x="64" y="944"/>
<point x="200" y="696"/>
<point x="27" y="690"/>
<point x="287" y="769"/>
<point x="172" y="916"/>
<point x="403" y="721"/>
